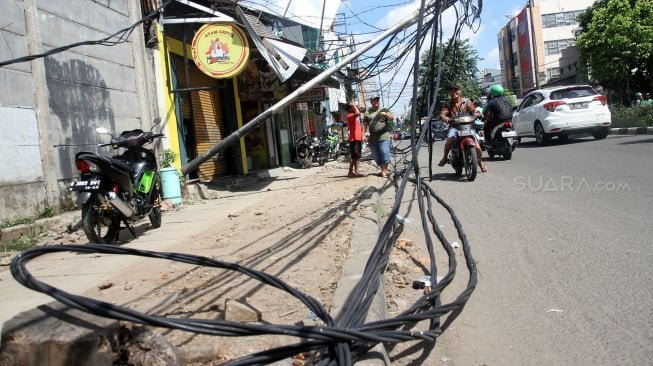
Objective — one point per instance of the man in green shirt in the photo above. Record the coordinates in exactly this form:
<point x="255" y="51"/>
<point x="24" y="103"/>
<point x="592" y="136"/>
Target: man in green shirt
<point x="376" y="123"/>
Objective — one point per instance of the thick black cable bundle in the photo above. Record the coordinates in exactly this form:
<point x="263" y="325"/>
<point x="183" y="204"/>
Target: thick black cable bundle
<point x="338" y="342"/>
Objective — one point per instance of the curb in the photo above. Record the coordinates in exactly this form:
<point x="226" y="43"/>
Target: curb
<point x="632" y="131"/>
<point x="364" y="236"/>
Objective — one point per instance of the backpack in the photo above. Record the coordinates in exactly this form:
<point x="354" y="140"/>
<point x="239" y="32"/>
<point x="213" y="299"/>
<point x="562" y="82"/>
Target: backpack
<point x="505" y="109"/>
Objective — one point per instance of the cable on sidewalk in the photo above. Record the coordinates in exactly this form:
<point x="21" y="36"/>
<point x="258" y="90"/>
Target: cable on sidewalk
<point x="337" y="342"/>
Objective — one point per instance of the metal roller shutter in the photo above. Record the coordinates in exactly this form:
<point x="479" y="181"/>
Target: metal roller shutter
<point x="209" y="125"/>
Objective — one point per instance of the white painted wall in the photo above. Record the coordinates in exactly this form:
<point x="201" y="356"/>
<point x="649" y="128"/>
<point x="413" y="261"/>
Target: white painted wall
<point x="19" y="146"/>
<point x="562" y="32"/>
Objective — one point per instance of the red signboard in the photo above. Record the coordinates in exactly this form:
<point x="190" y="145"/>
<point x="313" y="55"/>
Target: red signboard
<point x="524" y="42"/>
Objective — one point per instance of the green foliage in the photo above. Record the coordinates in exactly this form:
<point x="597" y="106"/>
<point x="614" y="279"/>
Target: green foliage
<point x="617" y="38"/>
<point x="636" y="116"/>
<point x="22" y="243"/>
<point x="11" y="223"/>
<point x="459" y="64"/>
<point x="168" y="157"/>
<point x="379" y="211"/>
<point x="48" y="211"/>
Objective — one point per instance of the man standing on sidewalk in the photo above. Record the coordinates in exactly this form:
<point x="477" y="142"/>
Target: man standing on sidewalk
<point x="377" y="123"/>
<point x="355" y="139"/>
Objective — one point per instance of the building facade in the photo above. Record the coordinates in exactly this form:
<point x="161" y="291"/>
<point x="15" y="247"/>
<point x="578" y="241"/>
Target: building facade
<point x="531" y="44"/>
<point x="51" y="105"/>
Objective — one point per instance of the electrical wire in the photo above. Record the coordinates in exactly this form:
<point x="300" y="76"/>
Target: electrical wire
<point x="119" y="37"/>
<point x="341" y="341"/>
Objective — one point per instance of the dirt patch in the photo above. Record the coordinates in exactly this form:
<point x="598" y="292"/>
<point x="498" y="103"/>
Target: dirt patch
<point x="300" y="234"/>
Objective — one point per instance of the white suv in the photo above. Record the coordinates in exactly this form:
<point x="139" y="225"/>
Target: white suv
<point x="561" y="111"/>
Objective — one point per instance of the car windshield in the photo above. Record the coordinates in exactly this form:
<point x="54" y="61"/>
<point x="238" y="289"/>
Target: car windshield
<point x="570" y="93"/>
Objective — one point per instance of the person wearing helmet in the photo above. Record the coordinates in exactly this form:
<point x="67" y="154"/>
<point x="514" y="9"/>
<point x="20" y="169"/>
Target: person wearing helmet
<point x="376" y="122"/>
<point x="497" y="111"/>
<point x="451" y="109"/>
<point x="638" y="98"/>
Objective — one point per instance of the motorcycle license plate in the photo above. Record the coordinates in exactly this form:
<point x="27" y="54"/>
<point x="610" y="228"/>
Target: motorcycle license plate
<point x="466" y="133"/>
<point x="509" y="134"/>
<point x="84" y="185"/>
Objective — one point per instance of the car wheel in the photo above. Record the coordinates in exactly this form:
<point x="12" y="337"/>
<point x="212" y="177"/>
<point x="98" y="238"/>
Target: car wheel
<point x="541" y="137"/>
<point x="600" y="134"/>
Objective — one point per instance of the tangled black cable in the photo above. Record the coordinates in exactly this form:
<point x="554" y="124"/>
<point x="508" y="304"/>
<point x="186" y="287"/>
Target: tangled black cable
<point x="341" y="341"/>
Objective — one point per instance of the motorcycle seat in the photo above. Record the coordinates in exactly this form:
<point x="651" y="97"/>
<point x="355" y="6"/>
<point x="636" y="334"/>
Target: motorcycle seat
<point x="120" y="164"/>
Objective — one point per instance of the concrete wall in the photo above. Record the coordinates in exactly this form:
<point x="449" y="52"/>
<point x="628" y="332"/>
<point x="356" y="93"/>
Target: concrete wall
<point x="50" y="107"/>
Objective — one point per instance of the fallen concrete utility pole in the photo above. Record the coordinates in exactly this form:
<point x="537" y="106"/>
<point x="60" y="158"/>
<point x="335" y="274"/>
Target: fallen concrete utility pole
<point x="235" y="136"/>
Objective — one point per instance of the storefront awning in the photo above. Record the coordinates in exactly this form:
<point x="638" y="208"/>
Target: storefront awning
<point x="283" y="57"/>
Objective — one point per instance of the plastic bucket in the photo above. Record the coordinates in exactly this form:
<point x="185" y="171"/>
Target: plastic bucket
<point x="170" y="185"/>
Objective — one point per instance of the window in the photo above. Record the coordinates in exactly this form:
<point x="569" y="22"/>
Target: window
<point x="310" y="37"/>
<point x="555" y="47"/>
<point x="552" y="72"/>
<point x="570" y="93"/>
<point x="560" y="19"/>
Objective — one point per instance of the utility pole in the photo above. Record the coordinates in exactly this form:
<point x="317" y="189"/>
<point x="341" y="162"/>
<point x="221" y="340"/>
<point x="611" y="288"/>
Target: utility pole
<point x="381" y="90"/>
<point x="531" y="4"/>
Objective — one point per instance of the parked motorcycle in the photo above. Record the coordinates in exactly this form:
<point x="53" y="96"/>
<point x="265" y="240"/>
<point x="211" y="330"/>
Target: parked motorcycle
<point x="332" y="141"/>
<point x="120" y="189"/>
<point x="311" y="149"/>
<point x="504" y="141"/>
<point x="463" y="151"/>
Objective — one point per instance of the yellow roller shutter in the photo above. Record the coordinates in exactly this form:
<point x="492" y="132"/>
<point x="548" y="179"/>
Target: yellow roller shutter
<point x="208" y="120"/>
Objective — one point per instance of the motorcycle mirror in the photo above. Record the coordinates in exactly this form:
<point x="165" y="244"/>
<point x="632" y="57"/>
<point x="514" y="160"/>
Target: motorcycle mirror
<point x="155" y="122"/>
<point x="102" y="130"/>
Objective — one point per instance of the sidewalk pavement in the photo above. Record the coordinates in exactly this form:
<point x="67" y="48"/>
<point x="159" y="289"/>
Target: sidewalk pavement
<point x="62" y="270"/>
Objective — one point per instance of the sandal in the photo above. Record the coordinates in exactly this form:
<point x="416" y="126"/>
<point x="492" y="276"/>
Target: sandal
<point x="442" y="162"/>
<point x="483" y="168"/>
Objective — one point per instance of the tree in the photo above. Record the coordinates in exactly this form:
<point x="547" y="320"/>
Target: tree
<point x="459" y="65"/>
<point x="616" y="45"/>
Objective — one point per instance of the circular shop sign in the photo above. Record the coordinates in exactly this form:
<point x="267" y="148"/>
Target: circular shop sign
<point x="220" y="50"/>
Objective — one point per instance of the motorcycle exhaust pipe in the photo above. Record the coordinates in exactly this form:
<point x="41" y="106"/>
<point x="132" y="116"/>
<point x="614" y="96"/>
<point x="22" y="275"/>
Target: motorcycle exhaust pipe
<point x="119" y="204"/>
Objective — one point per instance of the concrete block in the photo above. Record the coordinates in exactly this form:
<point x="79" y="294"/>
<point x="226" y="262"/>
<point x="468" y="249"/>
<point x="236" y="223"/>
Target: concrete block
<point x="56" y="335"/>
<point x="99" y="15"/>
<point x="16" y="89"/>
<point x="12" y="18"/>
<point x="240" y="312"/>
<point x="15" y="47"/>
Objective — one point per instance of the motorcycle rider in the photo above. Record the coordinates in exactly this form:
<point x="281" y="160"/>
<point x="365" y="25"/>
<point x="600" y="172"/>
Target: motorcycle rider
<point x="451" y="109"/>
<point x="497" y="111"/>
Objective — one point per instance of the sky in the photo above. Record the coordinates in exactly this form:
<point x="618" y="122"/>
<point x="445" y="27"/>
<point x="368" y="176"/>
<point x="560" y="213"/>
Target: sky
<point x="362" y="19"/>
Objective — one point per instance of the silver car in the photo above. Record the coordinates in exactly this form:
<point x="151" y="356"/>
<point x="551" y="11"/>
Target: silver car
<point x="561" y="111"/>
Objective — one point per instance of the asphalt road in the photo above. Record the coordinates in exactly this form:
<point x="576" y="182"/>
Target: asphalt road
<point x="562" y="238"/>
